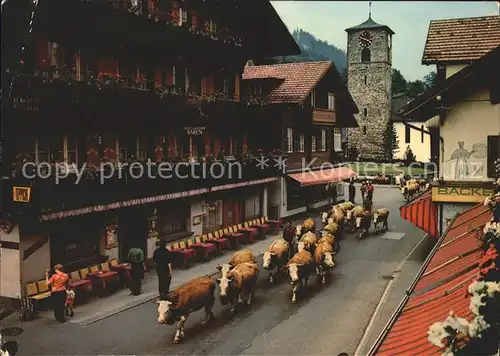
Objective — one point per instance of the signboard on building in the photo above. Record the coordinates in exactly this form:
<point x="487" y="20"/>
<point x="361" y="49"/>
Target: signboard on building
<point x="21" y="194"/>
<point x="195" y="131"/>
<point x="460" y="194"/>
<point x="111" y="236"/>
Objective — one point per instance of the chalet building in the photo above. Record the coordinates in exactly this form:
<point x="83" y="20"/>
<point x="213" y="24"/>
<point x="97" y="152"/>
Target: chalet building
<point x="102" y="91"/>
<point x="310" y="109"/>
<point x="462" y="115"/>
<point x="418" y="141"/>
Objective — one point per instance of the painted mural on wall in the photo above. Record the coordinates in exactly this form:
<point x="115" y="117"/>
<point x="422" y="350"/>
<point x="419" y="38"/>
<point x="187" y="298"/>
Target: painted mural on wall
<point x="461" y="161"/>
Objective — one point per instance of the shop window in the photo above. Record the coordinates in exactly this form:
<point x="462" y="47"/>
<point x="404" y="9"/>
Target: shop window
<point x="213" y="216"/>
<point x="295" y="195"/>
<point x="173" y="221"/>
<point x="252" y="207"/>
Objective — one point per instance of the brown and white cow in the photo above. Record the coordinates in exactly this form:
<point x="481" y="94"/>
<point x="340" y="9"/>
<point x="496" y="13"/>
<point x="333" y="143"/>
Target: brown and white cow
<point x="244" y="255"/>
<point x="323" y="257"/>
<point x="240" y="282"/>
<point x="276" y="257"/>
<point x="352" y="215"/>
<point x="328" y="238"/>
<point x="363" y="223"/>
<point x="309" y="239"/>
<point x="380" y="216"/>
<point x="192" y="296"/>
<point x="346" y="206"/>
<point x="308" y="225"/>
<point x="410" y="191"/>
<point x="332" y="228"/>
<point x="300" y="267"/>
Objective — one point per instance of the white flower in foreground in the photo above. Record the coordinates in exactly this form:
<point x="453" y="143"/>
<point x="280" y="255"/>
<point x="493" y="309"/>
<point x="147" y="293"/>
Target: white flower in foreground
<point x="477" y="326"/>
<point x="475" y="303"/>
<point x="484" y="288"/>
<point x="436" y="334"/>
<point x="461" y="325"/>
<point x="487" y="201"/>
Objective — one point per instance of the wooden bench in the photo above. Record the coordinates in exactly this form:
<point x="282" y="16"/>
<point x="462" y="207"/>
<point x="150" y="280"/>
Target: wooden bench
<point x="81" y="286"/>
<point x="258" y="224"/>
<point x="39" y="293"/>
<point x="218" y="239"/>
<point x="250" y="232"/>
<point x="203" y="250"/>
<point x="234" y="237"/>
<point x="275" y="224"/>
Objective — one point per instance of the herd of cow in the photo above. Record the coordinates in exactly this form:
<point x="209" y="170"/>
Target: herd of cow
<point x="238" y="278"/>
<point x="413" y="187"/>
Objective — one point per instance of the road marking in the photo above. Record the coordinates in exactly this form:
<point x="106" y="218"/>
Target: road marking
<point x="392" y="236"/>
<point x="384" y="298"/>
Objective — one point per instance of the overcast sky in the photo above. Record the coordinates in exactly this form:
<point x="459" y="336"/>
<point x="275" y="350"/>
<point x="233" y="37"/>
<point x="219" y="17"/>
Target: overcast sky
<point x="327" y="20"/>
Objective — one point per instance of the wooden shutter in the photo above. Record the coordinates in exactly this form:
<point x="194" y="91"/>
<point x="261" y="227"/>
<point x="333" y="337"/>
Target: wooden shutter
<point x="493" y="154"/>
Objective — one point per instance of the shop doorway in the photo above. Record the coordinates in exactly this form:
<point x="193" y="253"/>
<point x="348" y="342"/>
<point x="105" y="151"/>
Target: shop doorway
<point x="132" y="231"/>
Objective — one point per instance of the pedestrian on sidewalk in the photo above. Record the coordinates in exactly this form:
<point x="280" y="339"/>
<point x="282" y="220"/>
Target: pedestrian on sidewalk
<point x="58" y="283"/>
<point x="162" y="258"/>
<point x="352" y="192"/>
<point x="363" y="191"/>
<point x="369" y="191"/>
<point x="70" y="300"/>
<point x="288" y="236"/>
<point x="136" y="260"/>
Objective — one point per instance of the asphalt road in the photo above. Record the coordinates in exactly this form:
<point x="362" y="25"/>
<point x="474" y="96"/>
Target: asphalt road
<point x="328" y="320"/>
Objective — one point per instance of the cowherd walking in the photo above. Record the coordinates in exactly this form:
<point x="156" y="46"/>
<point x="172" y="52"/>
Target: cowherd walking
<point x="238" y="283"/>
<point x="192" y="296"/>
<point x="275" y="258"/>
<point x="300" y="267"/>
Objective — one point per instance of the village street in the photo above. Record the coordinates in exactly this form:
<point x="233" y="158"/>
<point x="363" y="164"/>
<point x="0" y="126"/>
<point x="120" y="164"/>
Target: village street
<point x="329" y="320"/>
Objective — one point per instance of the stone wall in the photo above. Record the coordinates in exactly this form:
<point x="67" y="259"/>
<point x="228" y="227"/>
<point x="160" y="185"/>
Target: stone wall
<point x="370" y="86"/>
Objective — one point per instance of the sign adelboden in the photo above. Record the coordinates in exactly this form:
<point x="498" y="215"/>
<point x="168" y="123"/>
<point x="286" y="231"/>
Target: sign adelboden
<point x="460" y="194"/>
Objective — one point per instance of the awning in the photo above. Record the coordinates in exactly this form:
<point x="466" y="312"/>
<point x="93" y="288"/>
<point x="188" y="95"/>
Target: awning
<point x="323" y="176"/>
<point x="242" y="184"/>
<point x="440" y="286"/>
<point x="422" y="213"/>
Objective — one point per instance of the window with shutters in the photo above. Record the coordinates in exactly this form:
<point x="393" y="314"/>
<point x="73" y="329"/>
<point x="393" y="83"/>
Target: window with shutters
<point x="313" y="143"/>
<point x="323" y="140"/>
<point x="289" y="140"/>
<point x="301" y="142"/>
<point x="331" y="101"/>
<point x="296" y="143"/>
<point x="493" y="154"/>
<point x="337" y="139"/>
<point x="141" y="153"/>
<point x="252" y="207"/>
<point x="70" y="150"/>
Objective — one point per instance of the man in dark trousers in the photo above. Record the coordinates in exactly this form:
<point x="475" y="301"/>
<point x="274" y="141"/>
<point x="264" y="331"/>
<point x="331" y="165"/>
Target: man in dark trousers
<point x="288" y="236"/>
<point x="369" y="191"/>
<point x="162" y="258"/>
<point x="352" y="192"/>
<point x="136" y="259"/>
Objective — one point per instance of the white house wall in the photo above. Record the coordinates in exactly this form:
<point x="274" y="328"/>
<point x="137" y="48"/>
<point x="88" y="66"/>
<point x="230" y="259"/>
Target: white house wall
<point x="10" y="266"/>
<point x="470" y="121"/>
<point x="422" y="150"/>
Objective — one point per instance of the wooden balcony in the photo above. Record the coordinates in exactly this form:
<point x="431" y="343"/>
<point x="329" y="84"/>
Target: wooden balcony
<point x="324" y="117"/>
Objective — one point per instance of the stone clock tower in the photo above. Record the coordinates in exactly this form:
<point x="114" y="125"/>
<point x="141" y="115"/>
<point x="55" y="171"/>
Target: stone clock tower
<point x="369" y="73"/>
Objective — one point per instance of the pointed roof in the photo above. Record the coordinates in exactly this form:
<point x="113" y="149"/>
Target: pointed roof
<point x="369" y="25"/>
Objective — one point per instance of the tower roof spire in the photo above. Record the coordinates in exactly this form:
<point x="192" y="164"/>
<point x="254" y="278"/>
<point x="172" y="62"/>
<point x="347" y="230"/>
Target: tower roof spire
<point x="370" y="10"/>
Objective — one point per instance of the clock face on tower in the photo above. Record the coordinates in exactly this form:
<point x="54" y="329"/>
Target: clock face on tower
<point x="365" y="39"/>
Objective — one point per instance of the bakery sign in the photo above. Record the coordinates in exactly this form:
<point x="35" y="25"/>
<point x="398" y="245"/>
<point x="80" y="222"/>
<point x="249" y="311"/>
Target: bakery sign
<point x="460" y="194"/>
<point x="195" y="131"/>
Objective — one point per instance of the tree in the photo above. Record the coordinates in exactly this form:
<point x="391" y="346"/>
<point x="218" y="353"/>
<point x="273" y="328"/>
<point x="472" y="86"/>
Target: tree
<point x="391" y="141"/>
<point x="415" y="88"/>
<point x="430" y="80"/>
<point x="399" y="83"/>
<point x="409" y="156"/>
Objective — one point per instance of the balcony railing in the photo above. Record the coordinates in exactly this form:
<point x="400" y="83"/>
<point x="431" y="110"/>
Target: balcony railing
<point x="52" y="190"/>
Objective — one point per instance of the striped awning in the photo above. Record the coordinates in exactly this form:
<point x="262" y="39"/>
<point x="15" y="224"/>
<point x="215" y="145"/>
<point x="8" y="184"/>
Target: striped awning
<point x="422" y="212"/>
<point x="323" y="176"/>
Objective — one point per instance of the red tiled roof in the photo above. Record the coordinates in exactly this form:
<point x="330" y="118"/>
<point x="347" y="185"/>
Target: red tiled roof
<point x="463" y="39"/>
<point x="441" y="288"/>
<point x="298" y="79"/>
